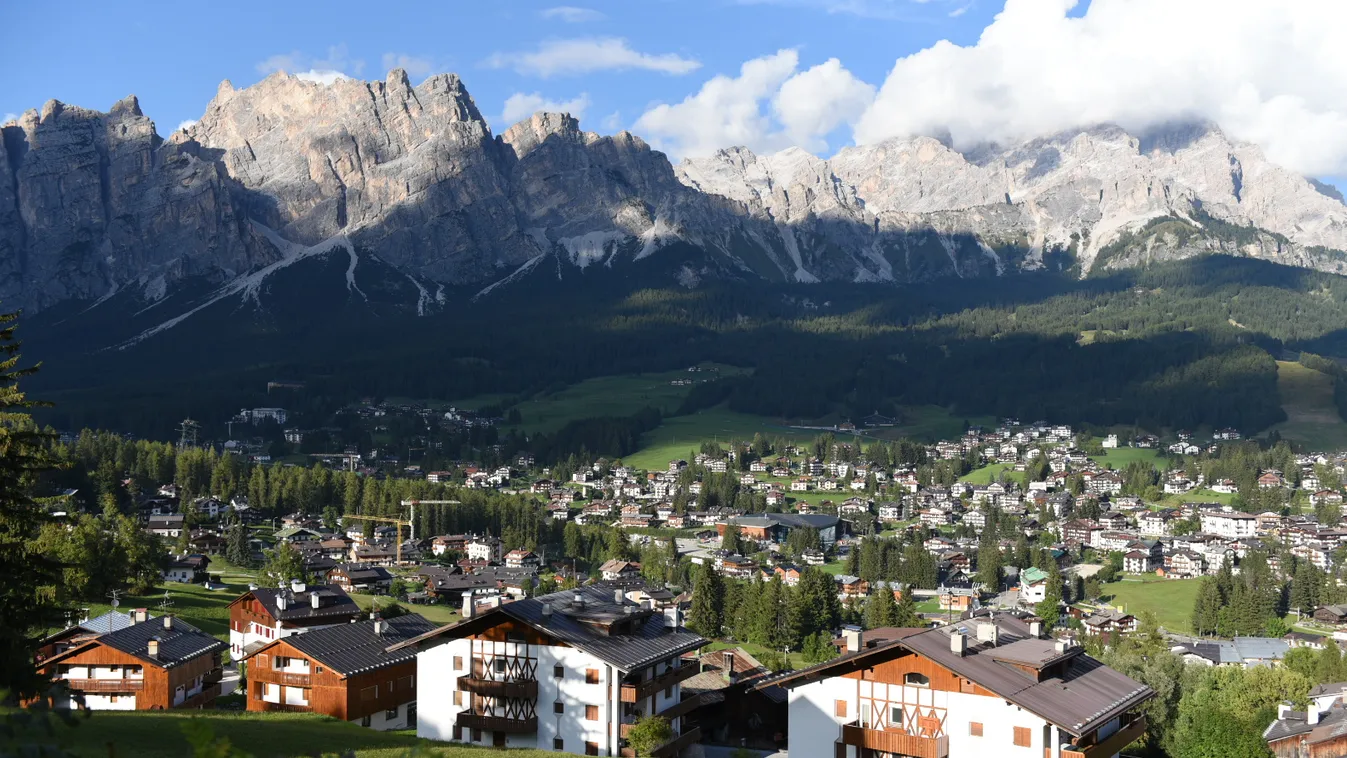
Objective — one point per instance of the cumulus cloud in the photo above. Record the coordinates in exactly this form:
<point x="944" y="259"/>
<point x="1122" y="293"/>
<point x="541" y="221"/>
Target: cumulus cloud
<point x="188" y="124"/>
<point x="768" y="107"/>
<point x="571" y="14"/>
<point x="336" y="65"/>
<point x="1272" y="72"/>
<point x="612" y="122"/>
<point x="521" y="105"/>
<point x="582" y="56"/>
<point x="886" y="10"/>
<point x="416" y="67"/>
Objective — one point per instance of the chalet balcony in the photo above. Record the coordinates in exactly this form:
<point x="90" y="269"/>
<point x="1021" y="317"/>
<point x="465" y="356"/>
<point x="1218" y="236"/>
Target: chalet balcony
<point x="280" y="677"/>
<point x="498" y="723"/>
<point x="635" y="693"/>
<point x="1130" y="732"/>
<point x="267" y="705"/>
<point x="214" y="676"/>
<point x="671" y="748"/>
<point x="105" y="685"/>
<point x="900" y="743"/>
<point x="682" y="708"/>
<point x="523" y="689"/>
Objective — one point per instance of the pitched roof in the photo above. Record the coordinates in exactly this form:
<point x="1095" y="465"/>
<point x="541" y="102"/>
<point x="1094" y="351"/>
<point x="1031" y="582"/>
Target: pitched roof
<point x="179" y="643"/>
<point x="332" y="602"/>
<point x="579" y="625"/>
<point x="354" y="648"/>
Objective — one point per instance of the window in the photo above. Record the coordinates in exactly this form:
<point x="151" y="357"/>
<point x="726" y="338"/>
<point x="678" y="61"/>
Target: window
<point x="840" y="708"/>
<point x="477" y="735"/>
<point x="112" y="698"/>
<point x="668" y="692"/>
<point x="365" y="721"/>
<point x="558" y="743"/>
<point x="1023" y="737"/>
<point x="591" y="676"/>
<point x="591" y="713"/>
<point x="317" y="669"/>
<point x="974" y="729"/>
<point x="559" y="672"/>
<point x="391" y="713"/>
<point x="499" y="665"/>
<point x="458" y="734"/>
<point x="591" y="748"/>
<point x="917" y="679"/>
<point x="458" y="698"/>
<point x="458" y="663"/>
<point x="896" y="717"/>
<point x="558" y="707"/>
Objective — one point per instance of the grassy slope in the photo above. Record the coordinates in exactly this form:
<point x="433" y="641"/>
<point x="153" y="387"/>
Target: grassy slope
<point x="987" y="474"/>
<point x="1311" y="416"/>
<point x="679" y="435"/>
<point x="1118" y="458"/>
<point x="159" y="735"/>
<point x="202" y="608"/>
<point x="1171" y="600"/>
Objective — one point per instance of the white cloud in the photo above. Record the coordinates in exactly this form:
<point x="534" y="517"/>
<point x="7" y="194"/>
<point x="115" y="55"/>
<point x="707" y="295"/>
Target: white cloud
<point x="8" y="117"/>
<point x="612" y="122"/>
<point x="188" y="124"/>
<point x="886" y="10"/>
<point x="810" y="105"/>
<point x="572" y="15"/>
<point x="337" y="65"/>
<point x="416" y="67"/>
<point x="520" y="106"/>
<point x="1273" y="72"/>
<point x="804" y="108"/>
<point x="322" y="76"/>
<point x="581" y="56"/>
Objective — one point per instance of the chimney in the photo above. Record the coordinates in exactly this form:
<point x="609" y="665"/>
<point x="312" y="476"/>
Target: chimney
<point x="469" y="607"/>
<point x="296" y="586"/>
<point x="314" y="601"/>
<point x="989" y="633"/>
<point x="579" y="600"/>
<point x="280" y="601"/>
<point x="855" y="638"/>
<point x="1283" y="708"/>
<point x="1036" y="629"/>
<point x="168" y="621"/>
<point x="139" y="616"/>
<point x="618" y="597"/>
<point x="378" y="627"/>
<point x="958" y="644"/>
<point x="727" y="665"/>
<point x="673" y="618"/>
<point x="1312" y="713"/>
<point x="1061" y="646"/>
<point x="547" y="612"/>
<point x="152" y="647"/>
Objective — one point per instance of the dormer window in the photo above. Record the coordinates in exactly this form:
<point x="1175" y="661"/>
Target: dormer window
<point x="914" y="679"/>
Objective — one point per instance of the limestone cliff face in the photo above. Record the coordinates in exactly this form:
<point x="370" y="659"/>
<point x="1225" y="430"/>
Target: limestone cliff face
<point x="94" y="203"/>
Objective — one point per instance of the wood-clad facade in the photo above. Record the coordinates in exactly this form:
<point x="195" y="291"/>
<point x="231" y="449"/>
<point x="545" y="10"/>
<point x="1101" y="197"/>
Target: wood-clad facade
<point x="319" y="689"/>
<point x="103" y="673"/>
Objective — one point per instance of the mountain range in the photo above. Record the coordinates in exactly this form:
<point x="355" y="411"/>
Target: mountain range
<point x="411" y="182"/>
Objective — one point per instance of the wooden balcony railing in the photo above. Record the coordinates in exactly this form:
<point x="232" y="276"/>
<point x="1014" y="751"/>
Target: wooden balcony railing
<point x="672" y="747"/>
<point x="634" y="693"/>
<point x="901" y="743"/>
<point x="688" y="704"/>
<point x="106" y="685"/>
<point x="524" y="689"/>
<point x="498" y="723"/>
<point x="1129" y="733"/>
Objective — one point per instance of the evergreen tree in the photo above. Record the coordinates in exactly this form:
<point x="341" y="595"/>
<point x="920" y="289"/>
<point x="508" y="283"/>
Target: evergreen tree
<point x="731" y="540"/>
<point x="880" y="609"/>
<point x="905" y="613"/>
<point x="707" y="614"/>
<point x="236" y="545"/>
<point x="29" y="603"/>
<point x="1207" y="607"/>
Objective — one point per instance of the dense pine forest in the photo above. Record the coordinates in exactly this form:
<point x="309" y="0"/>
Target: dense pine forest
<point x="1179" y="344"/>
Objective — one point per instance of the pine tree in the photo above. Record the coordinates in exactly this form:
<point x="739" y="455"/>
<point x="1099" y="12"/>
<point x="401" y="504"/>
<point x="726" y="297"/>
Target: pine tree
<point x="1207" y="607"/>
<point x="236" y="545"/>
<point x="905" y="613"/>
<point x="707" y="614"/>
<point x="880" y="609"/>
<point x="731" y="540"/>
<point x="29" y="603"/>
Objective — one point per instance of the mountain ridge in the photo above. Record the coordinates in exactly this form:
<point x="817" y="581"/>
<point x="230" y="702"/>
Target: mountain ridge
<point x="96" y="205"/>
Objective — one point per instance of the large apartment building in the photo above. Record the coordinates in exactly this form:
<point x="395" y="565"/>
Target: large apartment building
<point x="148" y="664"/>
<point x="261" y="616"/>
<point x="980" y="687"/>
<point x="343" y="671"/>
<point x="570" y="671"/>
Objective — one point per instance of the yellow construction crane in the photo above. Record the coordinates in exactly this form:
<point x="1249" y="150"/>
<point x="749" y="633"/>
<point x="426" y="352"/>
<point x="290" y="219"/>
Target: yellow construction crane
<point x="400" y="523"/>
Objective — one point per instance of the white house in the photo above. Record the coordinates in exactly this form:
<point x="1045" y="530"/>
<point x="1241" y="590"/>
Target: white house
<point x="1230" y="524"/>
<point x="974" y="688"/>
<point x="568" y="672"/>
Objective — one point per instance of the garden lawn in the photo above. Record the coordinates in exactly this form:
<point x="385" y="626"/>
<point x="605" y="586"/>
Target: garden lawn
<point x="439" y="614"/>
<point x="158" y="734"/>
<point x="205" y="609"/>
<point x="1171" y="600"/>
<point x="986" y="474"/>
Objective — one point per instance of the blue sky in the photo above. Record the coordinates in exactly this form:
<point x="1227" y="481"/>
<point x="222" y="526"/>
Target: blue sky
<point x="694" y="75"/>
